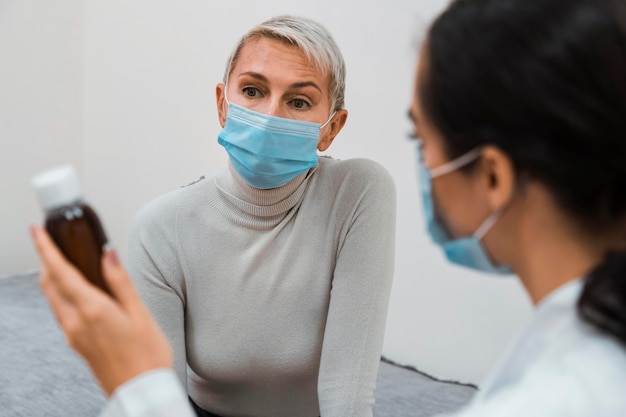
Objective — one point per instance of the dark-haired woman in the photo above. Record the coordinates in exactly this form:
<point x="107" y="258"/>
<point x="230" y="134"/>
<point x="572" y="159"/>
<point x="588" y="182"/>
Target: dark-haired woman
<point x="520" y="112"/>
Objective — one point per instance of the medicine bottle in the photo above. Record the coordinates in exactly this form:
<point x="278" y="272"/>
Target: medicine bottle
<point x="72" y="224"/>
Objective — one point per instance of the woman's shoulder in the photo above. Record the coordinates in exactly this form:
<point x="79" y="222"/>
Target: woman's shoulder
<point x="583" y="382"/>
<point x="355" y="170"/>
<point x="567" y="368"/>
<point x="586" y="376"/>
<point x="166" y="206"/>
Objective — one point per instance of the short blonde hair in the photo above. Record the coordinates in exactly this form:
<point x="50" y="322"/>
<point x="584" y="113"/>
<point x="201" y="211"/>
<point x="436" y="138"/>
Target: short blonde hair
<point x="314" y="40"/>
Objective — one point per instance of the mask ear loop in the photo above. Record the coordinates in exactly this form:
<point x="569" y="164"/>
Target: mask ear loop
<point x="226" y="95"/>
<point x="455" y="164"/>
<point x="323" y="125"/>
<point x="487" y="224"/>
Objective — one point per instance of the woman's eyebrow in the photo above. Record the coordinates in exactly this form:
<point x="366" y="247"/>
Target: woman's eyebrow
<point x="305" y="84"/>
<point x="253" y="74"/>
<point x="293" y="86"/>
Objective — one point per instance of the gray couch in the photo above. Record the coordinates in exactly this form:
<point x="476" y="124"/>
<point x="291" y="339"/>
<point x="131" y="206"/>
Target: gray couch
<point x="41" y="376"/>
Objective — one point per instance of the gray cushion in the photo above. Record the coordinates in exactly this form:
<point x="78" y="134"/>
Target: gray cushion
<point x="407" y="392"/>
<point x="41" y="376"/>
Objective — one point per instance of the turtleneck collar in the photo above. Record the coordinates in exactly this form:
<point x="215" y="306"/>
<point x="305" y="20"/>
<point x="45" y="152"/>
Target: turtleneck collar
<point x="259" y="202"/>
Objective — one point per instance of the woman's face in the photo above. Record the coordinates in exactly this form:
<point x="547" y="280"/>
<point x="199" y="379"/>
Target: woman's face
<point x="459" y="196"/>
<point x="277" y="79"/>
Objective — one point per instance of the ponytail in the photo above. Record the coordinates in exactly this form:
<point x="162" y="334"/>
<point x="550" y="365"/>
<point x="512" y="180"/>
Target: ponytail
<point x="603" y="300"/>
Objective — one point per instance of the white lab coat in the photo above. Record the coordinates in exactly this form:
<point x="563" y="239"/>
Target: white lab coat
<point x="156" y="393"/>
<point x="559" y="367"/>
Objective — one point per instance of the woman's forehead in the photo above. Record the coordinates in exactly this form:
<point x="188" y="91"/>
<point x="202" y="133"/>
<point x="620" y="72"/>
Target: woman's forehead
<point x="266" y="51"/>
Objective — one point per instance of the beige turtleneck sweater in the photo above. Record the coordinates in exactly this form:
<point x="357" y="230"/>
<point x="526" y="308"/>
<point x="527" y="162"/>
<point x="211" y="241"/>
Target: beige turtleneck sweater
<point x="275" y="300"/>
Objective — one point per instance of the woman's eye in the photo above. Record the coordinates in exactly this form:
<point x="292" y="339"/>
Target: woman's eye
<point x="299" y="103"/>
<point x="251" y="91"/>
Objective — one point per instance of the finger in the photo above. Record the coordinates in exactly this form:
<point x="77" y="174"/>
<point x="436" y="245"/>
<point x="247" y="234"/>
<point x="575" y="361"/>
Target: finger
<point x="47" y="249"/>
<point x="119" y="281"/>
<point x="61" y="308"/>
<point x="66" y="278"/>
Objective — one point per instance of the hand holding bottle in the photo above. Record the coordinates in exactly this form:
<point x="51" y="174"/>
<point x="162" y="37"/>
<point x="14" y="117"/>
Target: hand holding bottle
<point x="116" y="335"/>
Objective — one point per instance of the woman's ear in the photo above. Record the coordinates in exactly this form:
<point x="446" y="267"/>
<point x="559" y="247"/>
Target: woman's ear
<point x="222" y="108"/>
<point x="332" y="129"/>
<point x="500" y="177"/>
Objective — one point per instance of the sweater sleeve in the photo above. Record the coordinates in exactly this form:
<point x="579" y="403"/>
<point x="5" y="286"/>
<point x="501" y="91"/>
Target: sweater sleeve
<point x="155" y="268"/>
<point x="359" y="298"/>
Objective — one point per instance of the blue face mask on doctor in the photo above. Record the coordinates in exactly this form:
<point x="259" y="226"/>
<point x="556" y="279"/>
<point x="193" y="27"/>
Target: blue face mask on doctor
<point x="466" y="251"/>
<point x="268" y="151"/>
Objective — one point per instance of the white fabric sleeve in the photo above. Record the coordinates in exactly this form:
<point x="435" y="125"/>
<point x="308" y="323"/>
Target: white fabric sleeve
<point x="152" y="394"/>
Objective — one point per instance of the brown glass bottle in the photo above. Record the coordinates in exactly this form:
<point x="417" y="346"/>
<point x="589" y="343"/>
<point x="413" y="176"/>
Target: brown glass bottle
<point x="78" y="233"/>
<point x="71" y="223"/>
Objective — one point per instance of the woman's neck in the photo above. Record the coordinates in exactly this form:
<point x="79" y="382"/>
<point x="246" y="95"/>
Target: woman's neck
<point x="551" y="249"/>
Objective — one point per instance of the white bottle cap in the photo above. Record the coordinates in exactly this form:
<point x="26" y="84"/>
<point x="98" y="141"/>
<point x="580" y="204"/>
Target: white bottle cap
<point x="57" y="187"/>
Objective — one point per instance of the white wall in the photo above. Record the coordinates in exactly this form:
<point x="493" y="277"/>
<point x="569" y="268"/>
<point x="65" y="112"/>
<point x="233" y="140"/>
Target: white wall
<point x="141" y="76"/>
<point x="40" y="111"/>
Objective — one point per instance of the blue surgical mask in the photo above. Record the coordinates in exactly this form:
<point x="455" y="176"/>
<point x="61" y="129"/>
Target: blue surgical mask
<point x="466" y="251"/>
<point x="268" y="151"/>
